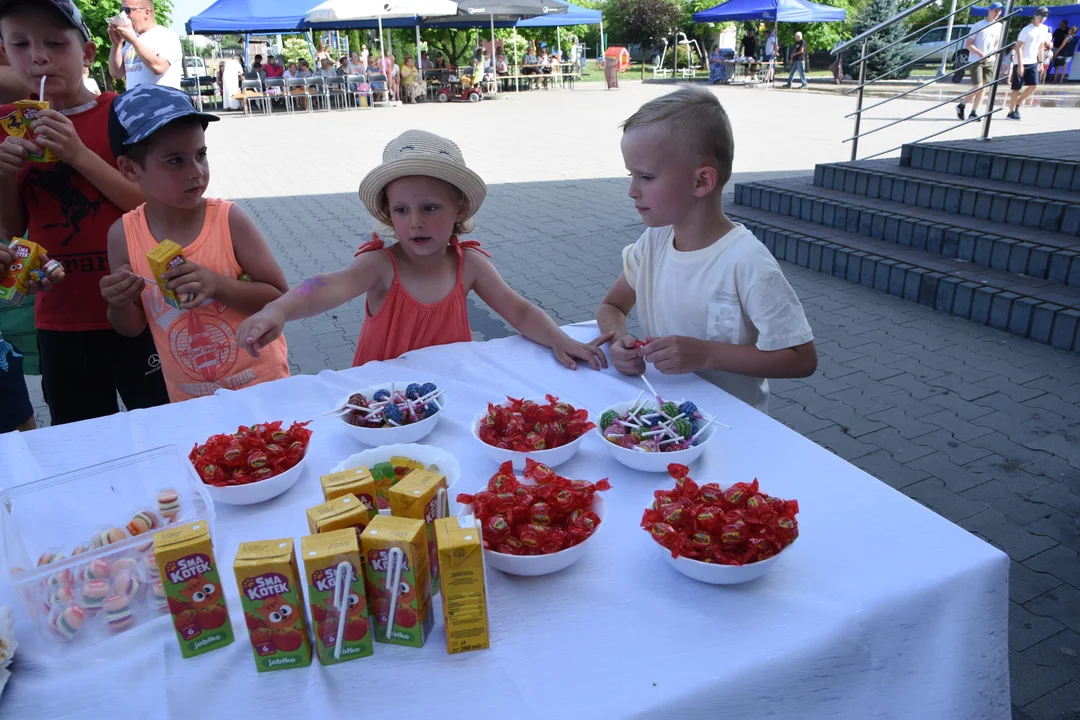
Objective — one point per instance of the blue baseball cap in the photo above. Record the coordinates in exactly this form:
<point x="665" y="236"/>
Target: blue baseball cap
<point x="142" y="111"/>
<point x="66" y="7"/>
<point x="995" y="6"/>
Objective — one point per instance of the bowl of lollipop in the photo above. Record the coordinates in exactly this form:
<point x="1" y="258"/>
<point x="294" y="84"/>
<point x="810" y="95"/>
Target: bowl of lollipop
<point x="648" y="435"/>
<point x="394" y="412"/>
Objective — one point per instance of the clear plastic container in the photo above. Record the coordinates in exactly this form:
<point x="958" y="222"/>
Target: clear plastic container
<point x="91" y="592"/>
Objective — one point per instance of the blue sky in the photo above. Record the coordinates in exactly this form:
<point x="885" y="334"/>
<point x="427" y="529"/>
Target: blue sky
<point x="184" y="9"/>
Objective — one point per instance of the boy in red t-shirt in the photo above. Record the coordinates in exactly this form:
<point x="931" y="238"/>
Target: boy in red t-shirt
<point x="68" y="206"/>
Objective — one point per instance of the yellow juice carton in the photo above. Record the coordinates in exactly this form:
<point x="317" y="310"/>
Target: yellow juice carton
<point x="164" y="257"/>
<point x="15" y="278"/>
<point x="273" y="601"/>
<point x="357" y="481"/>
<point x="418" y="496"/>
<point x="398" y="579"/>
<point x="340" y="513"/>
<point x="464" y="591"/>
<point x="329" y="557"/>
<point x="19" y="123"/>
<point x="189" y="576"/>
<point x="389" y="473"/>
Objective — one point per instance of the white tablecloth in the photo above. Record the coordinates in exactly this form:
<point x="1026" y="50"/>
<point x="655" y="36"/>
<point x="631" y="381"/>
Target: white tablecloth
<point x="882" y="609"/>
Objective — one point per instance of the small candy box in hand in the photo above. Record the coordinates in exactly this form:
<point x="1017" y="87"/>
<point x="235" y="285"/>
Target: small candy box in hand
<point x="273" y="601"/>
<point x="192" y="586"/>
<point x="25" y="269"/>
<point x="398" y="579"/>
<point x="163" y="258"/>
<point x="339" y="608"/>
<point x="422" y="496"/>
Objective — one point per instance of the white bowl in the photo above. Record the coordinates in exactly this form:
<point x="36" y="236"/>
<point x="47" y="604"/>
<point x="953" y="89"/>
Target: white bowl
<point x="426" y="454"/>
<point x="259" y="491"/>
<point x="650" y="461"/>
<point x="716" y="574"/>
<point x="552" y="458"/>
<point x="542" y="564"/>
<point x="385" y="436"/>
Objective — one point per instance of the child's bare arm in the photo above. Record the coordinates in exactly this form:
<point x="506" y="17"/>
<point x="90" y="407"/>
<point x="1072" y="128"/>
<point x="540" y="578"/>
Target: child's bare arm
<point x="677" y="354"/>
<point x="253" y="254"/>
<point x="317" y="294"/>
<point x="529" y="320"/>
<point x="61" y="137"/>
<point x="122" y="289"/>
<point x="611" y="316"/>
<point x="14" y="153"/>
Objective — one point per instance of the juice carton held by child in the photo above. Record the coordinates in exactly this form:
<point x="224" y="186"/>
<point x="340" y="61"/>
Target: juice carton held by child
<point x="339" y="614"/>
<point x="464" y="587"/>
<point x="273" y="601"/>
<point x="422" y="496"/>
<point x="192" y="585"/>
<point x="163" y="258"/>
<point x="398" y="579"/>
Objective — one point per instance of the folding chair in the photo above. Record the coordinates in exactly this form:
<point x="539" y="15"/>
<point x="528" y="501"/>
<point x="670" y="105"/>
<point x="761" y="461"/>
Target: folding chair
<point x="362" y="96"/>
<point x="294" y="87"/>
<point x="191" y="87"/>
<point x="433" y="80"/>
<point x="315" y="88"/>
<point x="379" y="86"/>
<point x="280" y="94"/>
<point x="336" y="87"/>
<point x="252" y="91"/>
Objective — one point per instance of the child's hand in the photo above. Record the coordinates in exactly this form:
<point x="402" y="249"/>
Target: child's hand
<point x="14" y="152"/>
<point x="260" y="330"/>
<point x="47" y="283"/>
<point x="193" y="283"/>
<point x="625" y="356"/>
<point x="676" y="354"/>
<point x="5" y="258"/>
<point x="55" y="132"/>
<point x="121" y="287"/>
<point x="567" y="349"/>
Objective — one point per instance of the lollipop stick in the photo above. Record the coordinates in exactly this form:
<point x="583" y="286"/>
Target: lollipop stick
<point x="652" y="389"/>
<point x="711" y="421"/>
<point x="713" y="417"/>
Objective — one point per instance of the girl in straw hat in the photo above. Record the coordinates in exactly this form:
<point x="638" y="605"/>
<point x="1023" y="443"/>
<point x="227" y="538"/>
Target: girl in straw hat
<point x="416" y="287"/>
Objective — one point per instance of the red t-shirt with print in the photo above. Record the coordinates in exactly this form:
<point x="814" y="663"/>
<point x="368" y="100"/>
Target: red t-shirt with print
<point x="70" y="218"/>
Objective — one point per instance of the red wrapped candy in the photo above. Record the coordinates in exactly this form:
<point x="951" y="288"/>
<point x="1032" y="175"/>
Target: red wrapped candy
<point x="736" y="526"/>
<point x="250" y="454"/>
<point x="550" y="516"/>
<point x="527" y="426"/>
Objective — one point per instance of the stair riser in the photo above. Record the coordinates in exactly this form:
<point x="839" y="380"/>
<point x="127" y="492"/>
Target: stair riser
<point x="1055" y="174"/>
<point x="1019" y="210"/>
<point x="994" y="251"/>
<point x="1026" y="317"/>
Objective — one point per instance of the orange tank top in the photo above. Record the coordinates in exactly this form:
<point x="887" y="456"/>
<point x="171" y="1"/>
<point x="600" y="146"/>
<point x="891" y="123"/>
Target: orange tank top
<point x="403" y="323"/>
<point x="198" y="349"/>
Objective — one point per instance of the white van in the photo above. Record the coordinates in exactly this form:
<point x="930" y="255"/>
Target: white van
<point x="935" y="40"/>
<point x="194" y="67"/>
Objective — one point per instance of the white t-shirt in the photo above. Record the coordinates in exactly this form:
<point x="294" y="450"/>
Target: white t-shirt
<point x="1033" y="38"/>
<point x="161" y="41"/>
<point x="770" y="45"/>
<point x="91" y="84"/>
<point x="732" y="291"/>
<point x="985" y="40"/>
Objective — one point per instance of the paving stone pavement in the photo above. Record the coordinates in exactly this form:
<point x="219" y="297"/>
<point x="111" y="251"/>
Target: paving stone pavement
<point x="977" y="425"/>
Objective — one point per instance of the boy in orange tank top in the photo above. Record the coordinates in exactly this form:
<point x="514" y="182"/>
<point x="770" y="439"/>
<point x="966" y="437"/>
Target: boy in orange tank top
<point x="228" y="271"/>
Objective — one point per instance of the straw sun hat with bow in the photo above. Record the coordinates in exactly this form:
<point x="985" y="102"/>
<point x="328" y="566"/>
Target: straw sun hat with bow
<point x="417" y="152"/>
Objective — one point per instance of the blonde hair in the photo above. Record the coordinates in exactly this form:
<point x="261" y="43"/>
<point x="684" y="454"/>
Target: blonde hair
<point x="694" y="116"/>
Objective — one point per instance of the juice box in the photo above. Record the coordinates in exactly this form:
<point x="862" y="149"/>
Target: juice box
<point x="343" y="512"/>
<point x="417" y="497"/>
<point x="387" y="474"/>
<point x="464" y="593"/>
<point x="273" y="600"/>
<point x="15" y="278"/>
<point x="322" y="555"/>
<point x="19" y="123"/>
<point x="189" y="576"/>
<point x="410" y="621"/>
<point x="357" y="481"/>
<point x="164" y="257"/>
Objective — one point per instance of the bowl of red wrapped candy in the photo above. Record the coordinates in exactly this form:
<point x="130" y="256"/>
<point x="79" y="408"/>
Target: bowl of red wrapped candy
<point x="722" y="537"/>
<point x="549" y="431"/>
<point x="649" y="436"/>
<point x="392" y="413"/>
<point x="254" y="464"/>
<point x="538" y="524"/>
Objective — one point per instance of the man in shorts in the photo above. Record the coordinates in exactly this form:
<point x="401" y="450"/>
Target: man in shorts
<point x="1031" y="45"/>
<point x="982" y="43"/>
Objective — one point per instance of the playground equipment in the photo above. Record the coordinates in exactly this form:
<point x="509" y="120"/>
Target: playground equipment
<point x="694" y="56"/>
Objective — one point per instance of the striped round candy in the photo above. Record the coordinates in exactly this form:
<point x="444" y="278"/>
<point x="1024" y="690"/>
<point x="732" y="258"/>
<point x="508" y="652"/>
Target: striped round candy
<point x="67" y="623"/>
<point x="670" y="409"/>
<point x="393" y="412"/>
<point x="427" y="388"/>
<point x="684" y="427"/>
<point x="413" y="391"/>
<point x="688" y="409"/>
<point x="607" y="418"/>
<point x="381" y="395"/>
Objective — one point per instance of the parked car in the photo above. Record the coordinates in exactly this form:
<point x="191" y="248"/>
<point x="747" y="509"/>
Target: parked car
<point x="194" y="67"/>
<point x="934" y="40"/>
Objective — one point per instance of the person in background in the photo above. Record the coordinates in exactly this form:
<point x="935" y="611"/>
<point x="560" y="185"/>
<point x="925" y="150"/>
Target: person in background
<point x="1030" y="50"/>
<point x="982" y="42"/>
<point x="257" y="65"/>
<point x="305" y="69"/>
<point x="323" y="54"/>
<point x="326" y="69"/>
<point x="798" y="61"/>
<point x="373" y="65"/>
<point x="717" y="69"/>
<point x="750" y="45"/>
<point x="1059" y="35"/>
<point x="292" y="73"/>
<point x="143" y="51"/>
<point x="16" y="411"/>
<point x="440" y="62"/>
<point x="273" y="68"/>
<point x="425" y="61"/>
<point x="543" y="64"/>
<point x="770" y="55"/>
<point x="412" y="86"/>
<point x="530" y="62"/>
<point x="1061" y="56"/>
<point x="355" y="64"/>
<point x="89" y="82"/>
<point x="342" y="69"/>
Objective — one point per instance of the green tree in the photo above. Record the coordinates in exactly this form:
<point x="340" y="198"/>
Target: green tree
<point x="96" y="14"/>
<point x="296" y="49"/>
<point x="642" y="21"/>
<point x="876" y="12"/>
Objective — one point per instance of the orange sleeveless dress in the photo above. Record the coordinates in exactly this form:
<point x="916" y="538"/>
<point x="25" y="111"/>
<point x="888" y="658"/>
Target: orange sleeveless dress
<point x="198" y="349"/>
<point x="403" y="323"/>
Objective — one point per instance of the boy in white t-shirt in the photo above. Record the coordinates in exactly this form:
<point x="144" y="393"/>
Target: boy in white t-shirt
<point x="710" y="297"/>
<point x="1031" y="46"/>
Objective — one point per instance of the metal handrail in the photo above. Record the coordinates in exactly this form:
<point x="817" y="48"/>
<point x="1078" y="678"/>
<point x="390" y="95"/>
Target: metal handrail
<point x="985" y="116"/>
<point x="915" y="60"/>
<point x="935" y="80"/>
<point x="923" y="29"/>
<point x="882" y="25"/>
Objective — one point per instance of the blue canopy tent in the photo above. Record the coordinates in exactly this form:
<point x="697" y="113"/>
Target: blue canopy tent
<point x="238" y="17"/>
<point x="775" y="10"/>
<point x="574" y="15"/>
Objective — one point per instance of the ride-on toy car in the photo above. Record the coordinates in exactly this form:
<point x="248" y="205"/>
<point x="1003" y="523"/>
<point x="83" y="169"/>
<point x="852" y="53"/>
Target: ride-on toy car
<point x="459" y="88"/>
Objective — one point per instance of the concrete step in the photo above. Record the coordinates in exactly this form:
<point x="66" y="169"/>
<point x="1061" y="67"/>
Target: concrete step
<point x="1010" y="204"/>
<point x="1026" y="251"/>
<point x="1004" y="159"/>
<point x="1026" y="307"/>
